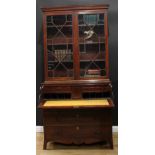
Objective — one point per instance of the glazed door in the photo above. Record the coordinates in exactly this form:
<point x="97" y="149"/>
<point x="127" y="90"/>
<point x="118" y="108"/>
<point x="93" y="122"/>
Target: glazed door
<point x="76" y="46"/>
<point x="92" y="45"/>
<point x="58" y="47"/>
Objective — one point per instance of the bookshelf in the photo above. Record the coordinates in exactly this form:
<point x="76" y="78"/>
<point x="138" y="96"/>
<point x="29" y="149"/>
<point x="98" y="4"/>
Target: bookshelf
<point x="76" y="69"/>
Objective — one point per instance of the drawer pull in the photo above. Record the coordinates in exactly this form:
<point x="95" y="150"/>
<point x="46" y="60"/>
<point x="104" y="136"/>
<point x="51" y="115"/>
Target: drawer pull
<point x="77" y="128"/>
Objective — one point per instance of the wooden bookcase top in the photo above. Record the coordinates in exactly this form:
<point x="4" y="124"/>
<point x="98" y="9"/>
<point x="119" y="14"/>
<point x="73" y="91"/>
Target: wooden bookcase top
<point x="75" y="7"/>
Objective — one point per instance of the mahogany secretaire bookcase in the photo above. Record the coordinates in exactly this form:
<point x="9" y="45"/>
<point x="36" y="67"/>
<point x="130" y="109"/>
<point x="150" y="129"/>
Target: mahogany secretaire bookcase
<point x="76" y="95"/>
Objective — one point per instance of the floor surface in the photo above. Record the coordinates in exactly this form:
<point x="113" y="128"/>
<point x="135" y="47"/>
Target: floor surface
<point x="57" y="149"/>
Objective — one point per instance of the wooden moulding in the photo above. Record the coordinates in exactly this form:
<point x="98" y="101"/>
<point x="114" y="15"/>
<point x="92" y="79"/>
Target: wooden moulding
<point x="71" y="8"/>
<point x="77" y="82"/>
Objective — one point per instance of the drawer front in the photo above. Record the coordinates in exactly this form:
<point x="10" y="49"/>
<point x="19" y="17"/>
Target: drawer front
<point x="56" y="89"/>
<point x="58" y="118"/>
<point x="71" y="117"/>
<point x="90" y="130"/>
<point x="90" y="116"/>
<point x="77" y="134"/>
<point x="104" y="88"/>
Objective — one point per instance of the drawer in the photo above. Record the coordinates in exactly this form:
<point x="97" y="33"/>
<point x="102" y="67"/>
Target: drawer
<point x="60" y="132"/>
<point x="91" y="130"/>
<point x="72" y="117"/>
<point x="96" y="88"/>
<point x="82" y="132"/>
<point x="56" y="89"/>
<point x="96" y="116"/>
<point x="58" y="118"/>
<point x="91" y="89"/>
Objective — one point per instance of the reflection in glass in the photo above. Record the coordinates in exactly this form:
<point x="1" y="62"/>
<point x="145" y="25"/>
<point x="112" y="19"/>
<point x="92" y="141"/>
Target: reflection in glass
<point x="92" y="45"/>
<point x="59" y="46"/>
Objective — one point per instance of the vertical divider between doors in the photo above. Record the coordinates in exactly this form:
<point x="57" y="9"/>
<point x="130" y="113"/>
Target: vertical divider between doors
<point x="76" y="57"/>
<point x="106" y="44"/>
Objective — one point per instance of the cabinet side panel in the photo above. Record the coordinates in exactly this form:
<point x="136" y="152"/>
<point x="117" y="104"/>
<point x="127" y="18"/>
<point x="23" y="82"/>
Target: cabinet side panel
<point x="45" y="47"/>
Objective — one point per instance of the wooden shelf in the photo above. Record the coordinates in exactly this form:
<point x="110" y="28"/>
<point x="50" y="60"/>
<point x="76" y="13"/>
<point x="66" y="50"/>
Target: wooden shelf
<point x="66" y="61"/>
<point x="69" y="40"/>
<point x="94" y="40"/>
<point x="60" y="40"/>
<point x="92" y="55"/>
<point x="61" y="73"/>
<point x="80" y="25"/>
<point x="69" y="70"/>
<point x="83" y="61"/>
<point x="93" y="60"/>
<point x="54" y="26"/>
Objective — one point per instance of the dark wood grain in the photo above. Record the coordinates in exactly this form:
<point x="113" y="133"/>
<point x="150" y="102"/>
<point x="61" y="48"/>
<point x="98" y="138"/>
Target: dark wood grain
<point x="76" y="48"/>
<point x="83" y="124"/>
<point x="78" y="126"/>
<point x="106" y="43"/>
<point x="45" y="48"/>
<point x="78" y="8"/>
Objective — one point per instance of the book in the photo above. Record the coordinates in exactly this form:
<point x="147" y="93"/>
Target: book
<point x="91" y="76"/>
<point x="93" y="72"/>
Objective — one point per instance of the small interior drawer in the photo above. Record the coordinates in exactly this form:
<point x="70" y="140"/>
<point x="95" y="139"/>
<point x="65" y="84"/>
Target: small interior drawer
<point x="57" y="89"/>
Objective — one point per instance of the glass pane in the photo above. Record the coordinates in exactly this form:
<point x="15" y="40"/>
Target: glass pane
<point x="92" y="45"/>
<point x="59" y="46"/>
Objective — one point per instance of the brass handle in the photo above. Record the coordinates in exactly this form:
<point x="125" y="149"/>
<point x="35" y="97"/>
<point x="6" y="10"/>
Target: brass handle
<point x="77" y="128"/>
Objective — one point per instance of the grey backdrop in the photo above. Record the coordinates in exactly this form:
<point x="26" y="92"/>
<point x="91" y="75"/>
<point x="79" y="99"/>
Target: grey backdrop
<point x="113" y="45"/>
